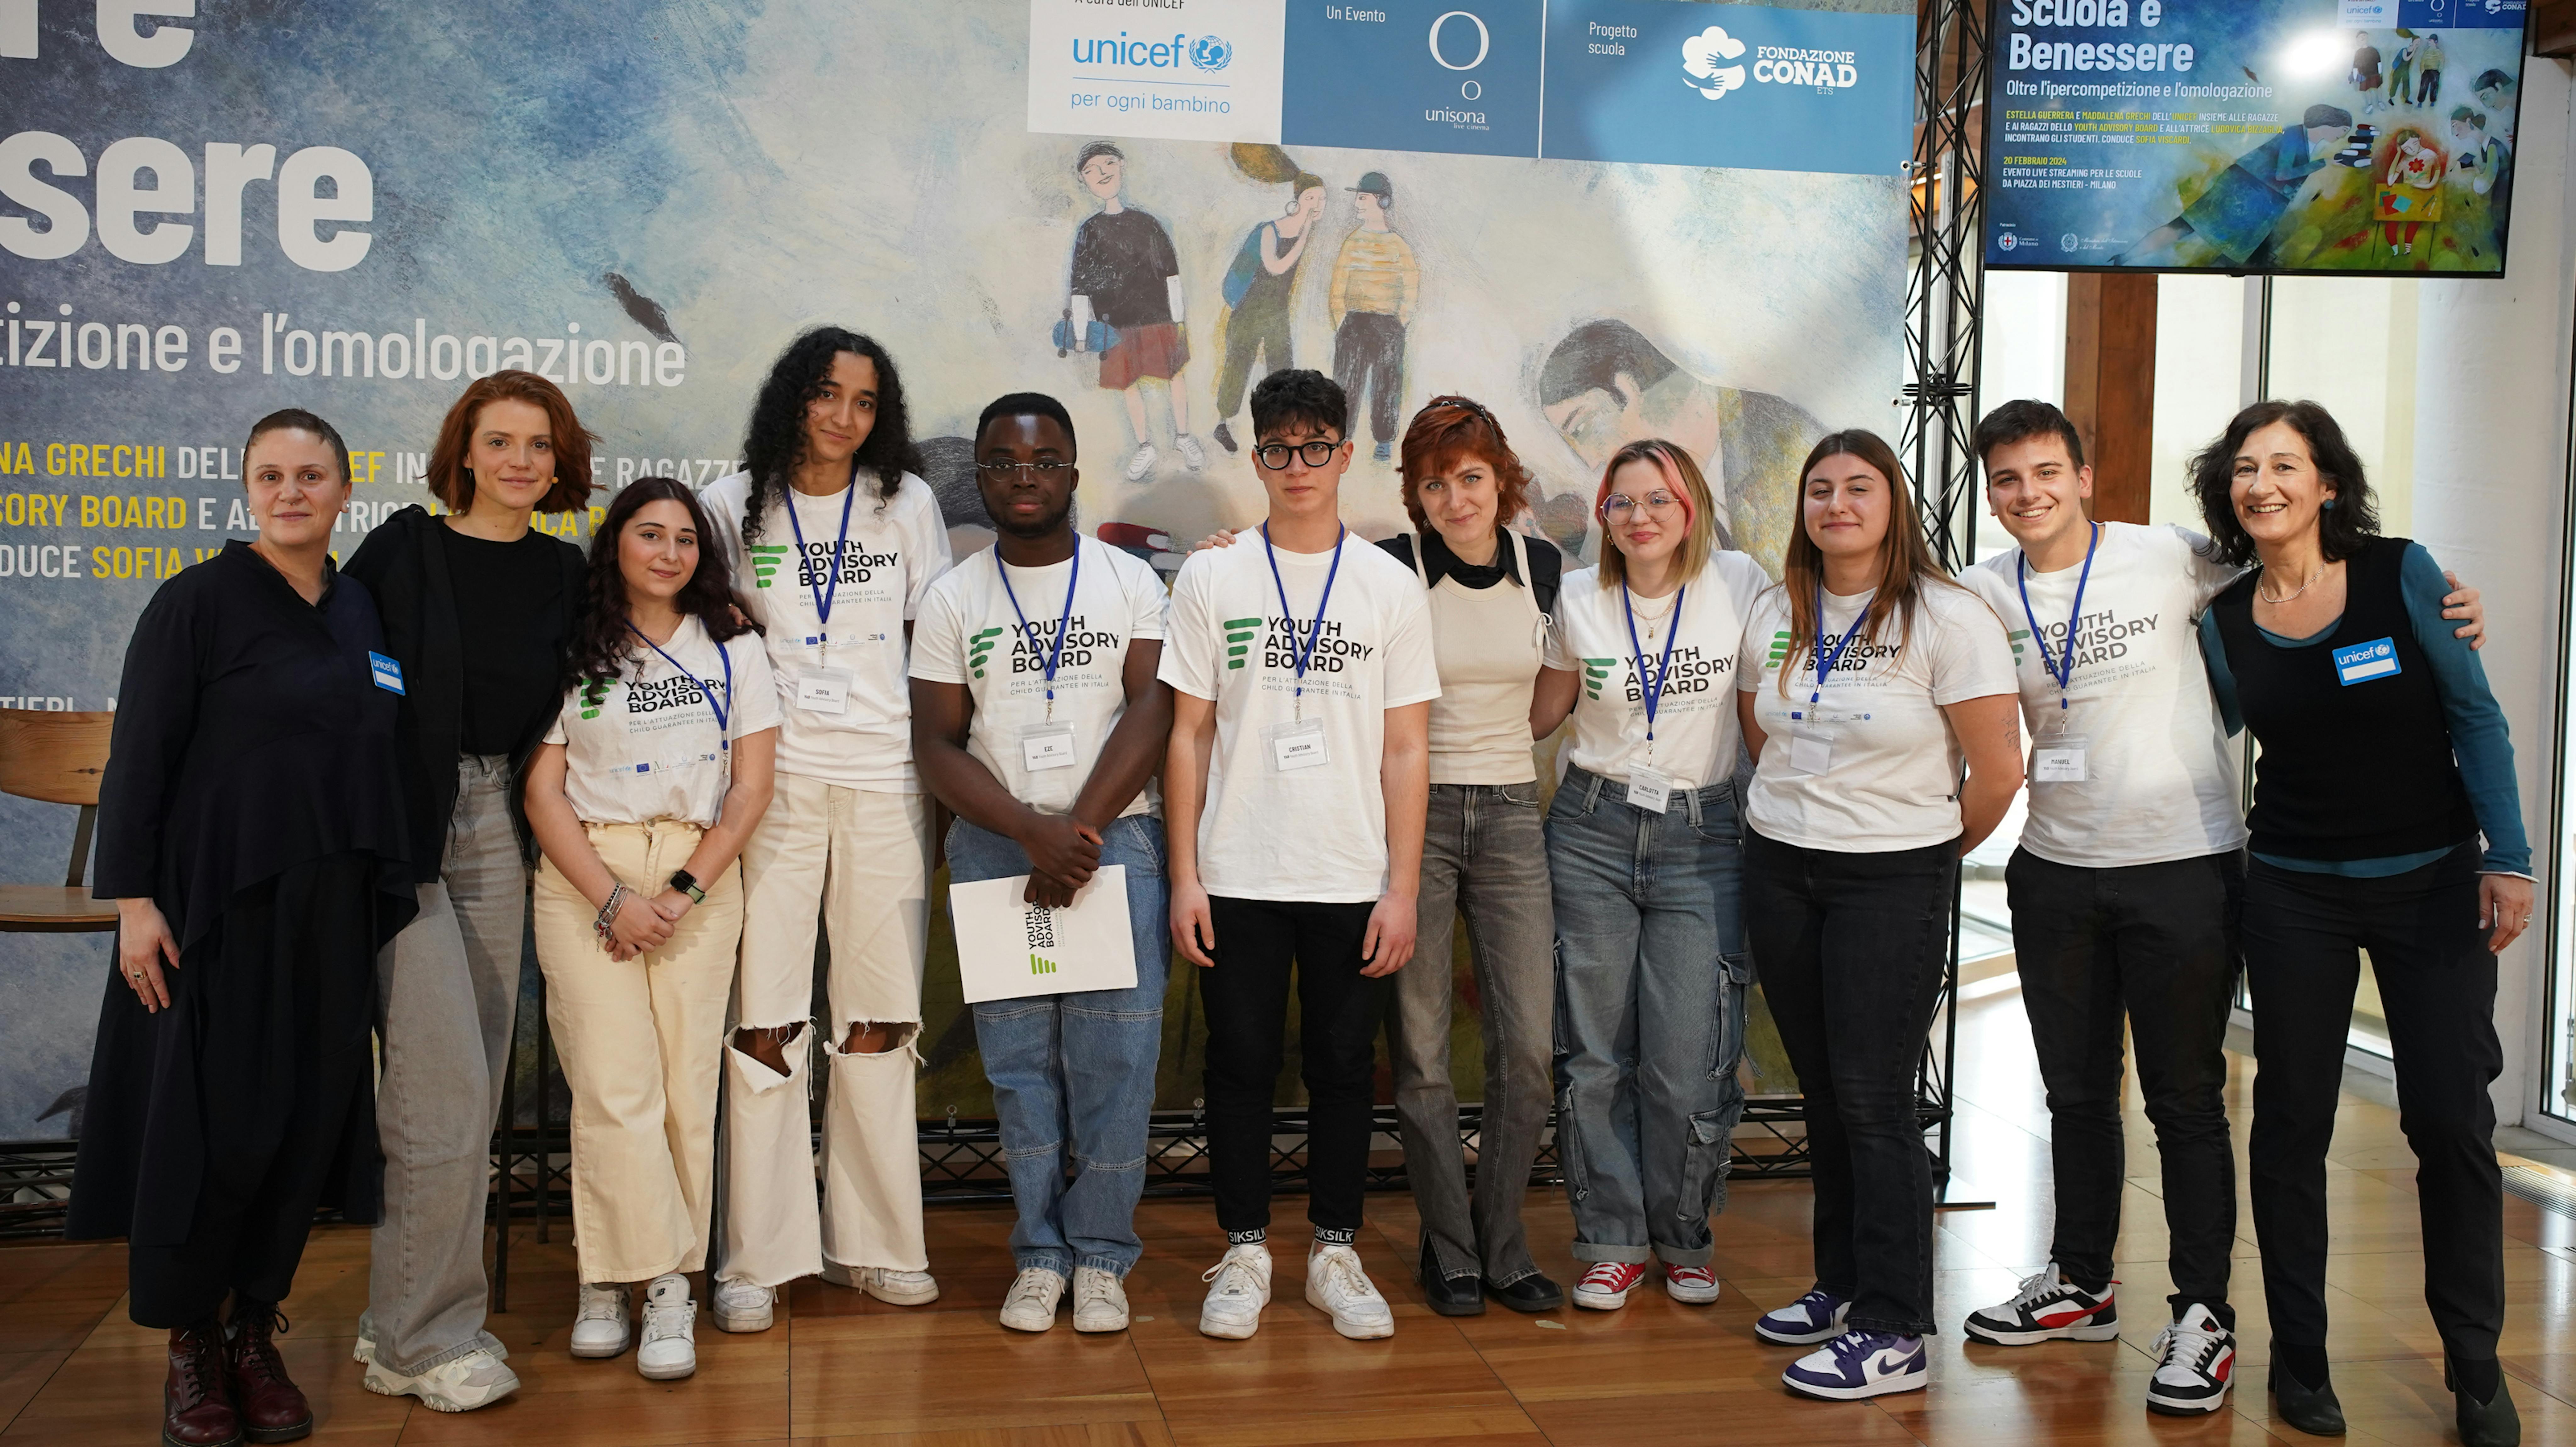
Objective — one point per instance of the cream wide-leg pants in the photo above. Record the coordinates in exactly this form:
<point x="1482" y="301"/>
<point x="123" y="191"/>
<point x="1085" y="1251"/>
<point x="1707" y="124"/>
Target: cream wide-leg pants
<point x="859" y="861"/>
<point x="640" y="1041"/>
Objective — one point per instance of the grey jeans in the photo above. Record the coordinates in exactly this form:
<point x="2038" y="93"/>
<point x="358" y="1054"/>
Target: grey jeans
<point x="1484" y="857"/>
<point x="449" y="987"/>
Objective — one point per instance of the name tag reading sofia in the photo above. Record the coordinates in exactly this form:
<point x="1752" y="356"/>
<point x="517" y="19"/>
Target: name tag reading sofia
<point x="1648" y="789"/>
<point x="2059" y="760"/>
<point x="1810" y="753"/>
<point x="823" y="690"/>
<point x="1046" y="746"/>
<point x="1295" y="746"/>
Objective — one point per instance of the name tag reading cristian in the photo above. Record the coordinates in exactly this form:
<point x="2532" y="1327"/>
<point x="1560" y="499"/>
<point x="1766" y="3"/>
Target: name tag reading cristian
<point x="1300" y="744"/>
<point x="1295" y="746"/>
<point x="2363" y="662"/>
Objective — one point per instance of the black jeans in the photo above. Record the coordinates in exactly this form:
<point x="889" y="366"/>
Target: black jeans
<point x="1850" y="950"/>
<point x="2303" y="938"/>
<point x="1246" y="996"/>
<point x="1368" y="359"/>
<point x="2154" y="944"/>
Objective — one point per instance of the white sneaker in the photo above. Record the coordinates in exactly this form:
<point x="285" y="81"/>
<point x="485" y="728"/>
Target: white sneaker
<point x="1099" y="1300"/>
<point x="1030" y="1306"/>
<point x="899" y="1288"/>
<point x="741" y="1306"/>
<point x="1142" y="462"/>
<point x="1196" y="457"/>
<point x="670" y="1346"/>
<point x="476" y="1379"/>
<point x="599" y="1327"/>
<point x="1241" y="1287"/>
<point x="364" y="1353"/>
<point x="1337" y="1284"/>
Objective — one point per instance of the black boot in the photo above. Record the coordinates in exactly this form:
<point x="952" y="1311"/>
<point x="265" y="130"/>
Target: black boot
<point x="1533" y="1292"/>
<point x="1449" y="1295"/>
<point x="2492" y="1423"/>
<point x="2314" y="1412"/>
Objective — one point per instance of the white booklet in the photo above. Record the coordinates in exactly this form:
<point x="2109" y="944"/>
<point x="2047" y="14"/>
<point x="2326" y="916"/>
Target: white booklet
<point x="1008" y="948"/>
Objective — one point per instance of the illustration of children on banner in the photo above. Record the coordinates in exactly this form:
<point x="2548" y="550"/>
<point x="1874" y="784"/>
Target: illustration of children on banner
<point x="2410" y="195"/>
<point x="1375" y="285"/>
<point x="1124" y="303"/>
<point x="2235" y="214"/>
<point x="1260" y="285"/>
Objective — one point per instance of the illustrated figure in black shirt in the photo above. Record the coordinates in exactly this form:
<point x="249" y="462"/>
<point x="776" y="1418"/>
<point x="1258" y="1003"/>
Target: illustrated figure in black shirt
<point x="1125" y="303"/>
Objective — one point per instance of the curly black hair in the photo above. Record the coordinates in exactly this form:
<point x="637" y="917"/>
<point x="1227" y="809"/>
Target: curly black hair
<point x="603" y="642"/>
<point x="2350" y="520"/>
<point x="775" y="440"/>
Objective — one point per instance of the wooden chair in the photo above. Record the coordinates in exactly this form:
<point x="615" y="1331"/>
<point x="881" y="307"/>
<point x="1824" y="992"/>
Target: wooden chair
<point x="59" y="758"/>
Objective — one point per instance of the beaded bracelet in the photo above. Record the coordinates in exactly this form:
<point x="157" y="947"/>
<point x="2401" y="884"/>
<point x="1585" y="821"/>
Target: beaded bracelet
<point x="604" y="926"/>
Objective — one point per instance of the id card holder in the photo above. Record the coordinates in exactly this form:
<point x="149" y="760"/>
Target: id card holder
<point x="1810" y="753"/>
<point x="1295" y="746"/>
<point x="386" y="673"/>
<point x="2061" y="759"/>
<point x="823" y="690"/>
<point x="1648" y="789"/>
<point x="1047" y="746"/>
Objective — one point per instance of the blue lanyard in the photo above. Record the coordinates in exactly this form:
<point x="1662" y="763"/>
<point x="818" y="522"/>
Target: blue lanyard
<point x="2063" y="670"/>
<point x="703" y="691"/>
<point x="823" y="595"/>
<point x="1663" y="667"/>
<point x="1825" y="661"/>
<point x="1306" y="653"/>
<point x="1063" y="624"/>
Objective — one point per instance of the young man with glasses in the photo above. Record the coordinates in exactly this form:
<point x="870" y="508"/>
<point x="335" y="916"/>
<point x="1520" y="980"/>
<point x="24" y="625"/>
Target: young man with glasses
<point x="1302" y="673"/>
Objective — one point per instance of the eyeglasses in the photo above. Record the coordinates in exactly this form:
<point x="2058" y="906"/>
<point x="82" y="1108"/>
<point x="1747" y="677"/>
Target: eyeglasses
<point x="1274" y="455"/>
<point x="1618" y="504"/>
<point x="1035" y="471"/>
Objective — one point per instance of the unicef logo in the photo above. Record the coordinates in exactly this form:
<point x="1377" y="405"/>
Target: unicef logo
<point x="1210" y="52"/>
<point x="1703" y="67"/>
<point x="2385" y="649"/>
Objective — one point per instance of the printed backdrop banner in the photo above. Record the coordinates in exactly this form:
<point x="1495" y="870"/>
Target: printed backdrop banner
<point x="355" y="208"/>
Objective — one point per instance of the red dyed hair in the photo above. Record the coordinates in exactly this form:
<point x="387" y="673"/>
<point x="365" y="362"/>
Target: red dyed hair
<point x="1452" y="427"/>
<point x="452" y="482"/>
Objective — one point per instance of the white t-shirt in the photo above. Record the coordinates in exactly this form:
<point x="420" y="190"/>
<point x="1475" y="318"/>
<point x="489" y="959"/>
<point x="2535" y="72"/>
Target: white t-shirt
<point x="2160" y="781"/>
<point x="856" y="728"/>
<point x="647" y="746"/>
<point x="1878" y="769"/>
<point x="1315" y="834"/>
<point x="968" y="633"/>
<point x="1695" y="728"/>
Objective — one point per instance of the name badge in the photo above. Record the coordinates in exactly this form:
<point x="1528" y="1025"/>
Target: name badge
<point x="2059" y="760"/>
<point x="1648" y="789"/>
<point x="823" y="690"/>
<point x="1810" y="754"/>
<point x="1295" y="746"/>
<point x="2363" y="662"/>
<point x="386" y="672"/>
<point x="1047" y="746"/>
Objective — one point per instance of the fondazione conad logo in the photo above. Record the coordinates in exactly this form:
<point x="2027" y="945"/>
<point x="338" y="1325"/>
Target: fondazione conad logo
<point x="1712" y="64"/>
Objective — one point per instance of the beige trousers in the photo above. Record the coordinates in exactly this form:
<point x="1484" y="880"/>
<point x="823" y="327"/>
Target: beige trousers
<point x="859" y="863"/>
<point x="640" y="1041"/>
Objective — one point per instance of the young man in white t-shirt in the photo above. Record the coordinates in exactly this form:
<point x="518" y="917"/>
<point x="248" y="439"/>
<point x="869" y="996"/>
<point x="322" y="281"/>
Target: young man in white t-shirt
<point x="835" y="540"/>
<point x="1302" y="673"/>
<point x="1038" y="718"/>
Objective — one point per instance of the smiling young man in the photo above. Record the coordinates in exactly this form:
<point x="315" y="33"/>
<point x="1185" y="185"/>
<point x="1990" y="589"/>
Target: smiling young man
<point x="1037" y="717"/>
<point x="2124" y="890"/>
<point x="1302" y="673"/>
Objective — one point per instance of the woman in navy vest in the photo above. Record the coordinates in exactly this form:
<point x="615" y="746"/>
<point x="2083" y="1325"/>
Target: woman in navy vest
<point x="2384" y="758"/>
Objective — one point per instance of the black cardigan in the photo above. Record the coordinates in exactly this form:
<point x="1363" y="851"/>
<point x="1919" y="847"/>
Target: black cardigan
<point x="403" y="565"/>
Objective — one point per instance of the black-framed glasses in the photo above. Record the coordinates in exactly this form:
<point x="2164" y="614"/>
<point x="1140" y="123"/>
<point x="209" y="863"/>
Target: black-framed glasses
<point x="1001" y="471"/>
<point x="1274" y="455"/>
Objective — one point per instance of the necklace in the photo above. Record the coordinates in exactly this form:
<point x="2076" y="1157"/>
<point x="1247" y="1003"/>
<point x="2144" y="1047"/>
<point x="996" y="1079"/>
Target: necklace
<point x="1652" y="620"/>
<point x="2286" y="597"/>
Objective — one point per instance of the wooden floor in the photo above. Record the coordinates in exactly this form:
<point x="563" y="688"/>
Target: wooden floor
<point x="845" y="1369"/>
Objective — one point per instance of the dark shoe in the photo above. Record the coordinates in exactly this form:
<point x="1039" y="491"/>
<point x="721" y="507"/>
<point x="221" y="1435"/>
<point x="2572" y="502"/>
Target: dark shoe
<point x="272" y="1407"/>
<point x="1449" y="1295"/>
<point x="1531" y="1293"/>
<point x="2485" y="1424"/>
<point x="2316" y="1413"/>
<point x="1224" y="438"/>
<point x="197" y="1400"/>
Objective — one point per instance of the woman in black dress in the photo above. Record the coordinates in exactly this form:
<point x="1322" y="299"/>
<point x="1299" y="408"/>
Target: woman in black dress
<point x="251" y="832"/>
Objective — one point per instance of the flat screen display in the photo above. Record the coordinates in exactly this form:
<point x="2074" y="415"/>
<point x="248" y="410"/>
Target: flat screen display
<point x="2253" y="137"/>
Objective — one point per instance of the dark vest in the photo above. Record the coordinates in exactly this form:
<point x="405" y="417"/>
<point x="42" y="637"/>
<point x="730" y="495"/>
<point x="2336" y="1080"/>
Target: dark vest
<point x="2359" y="770"/>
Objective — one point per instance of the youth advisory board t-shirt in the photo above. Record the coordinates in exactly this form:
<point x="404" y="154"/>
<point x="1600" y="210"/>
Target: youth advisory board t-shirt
<point x="1695" y="727"/>
<point x="2158" y="779"/>
<point x="1873" y="767"/>
<point x="1315" y="833"/>
<point x="853" y="725"/>
<point x="647" y="745"/>
<point x="968" y="633"/>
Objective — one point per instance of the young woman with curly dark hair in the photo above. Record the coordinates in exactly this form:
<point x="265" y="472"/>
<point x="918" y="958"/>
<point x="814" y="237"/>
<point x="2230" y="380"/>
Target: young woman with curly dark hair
<point x="656" y="770"/>
<point x="836" y="538"/>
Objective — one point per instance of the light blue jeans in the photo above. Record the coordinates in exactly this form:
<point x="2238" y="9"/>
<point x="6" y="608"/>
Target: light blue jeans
<point x="1073" y="1075"/>
<point x="1651" y="976"/>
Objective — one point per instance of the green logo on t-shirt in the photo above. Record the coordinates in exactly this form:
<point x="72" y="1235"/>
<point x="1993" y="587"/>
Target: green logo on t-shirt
<point x="1238" y="639"/>
<point x="765" y="560"/>
<point x="1596" y="672"/>
<point x="1779" y="647"/>
<point x="980" y="647"/>
<point x="2017" y="635"/>
<point x="592" y="695"/>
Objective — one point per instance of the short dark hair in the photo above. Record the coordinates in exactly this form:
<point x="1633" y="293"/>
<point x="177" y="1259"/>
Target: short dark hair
<point x="2022" y="420"/>
<point x="2341" y="529"/>
<point x="1095" y="151"/>
<point x="2326" y="115"/>
<point x="1026" y="404"/>
<point x="1299" y="394"/>
<point x="1593" y="355"/>
<point x="296" y="419"/>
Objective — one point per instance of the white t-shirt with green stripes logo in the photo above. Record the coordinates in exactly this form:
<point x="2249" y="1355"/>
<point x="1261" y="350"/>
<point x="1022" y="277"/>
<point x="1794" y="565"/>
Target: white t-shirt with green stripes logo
<point x="1695" y="729"/>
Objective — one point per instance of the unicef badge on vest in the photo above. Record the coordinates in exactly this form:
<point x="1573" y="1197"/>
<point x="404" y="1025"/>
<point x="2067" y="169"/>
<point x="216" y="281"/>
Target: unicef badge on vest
<point x="1008" y="948"/>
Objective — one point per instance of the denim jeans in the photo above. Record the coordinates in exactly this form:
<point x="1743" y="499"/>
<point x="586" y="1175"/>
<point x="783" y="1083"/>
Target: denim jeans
<point x="1484" y="857"/>
<point x="1853" y="947"/>
<point x="1651" y="975"/>
<point x="1073" y="1075"/>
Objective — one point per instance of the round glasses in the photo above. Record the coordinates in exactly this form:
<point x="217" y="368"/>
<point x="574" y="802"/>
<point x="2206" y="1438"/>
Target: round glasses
<point x="1618" y="504"/>
<point x="1274" y="455"/>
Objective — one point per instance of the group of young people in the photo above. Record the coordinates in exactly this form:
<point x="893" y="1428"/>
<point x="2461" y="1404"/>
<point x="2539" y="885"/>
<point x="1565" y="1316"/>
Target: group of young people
<point x="740" y="718"/>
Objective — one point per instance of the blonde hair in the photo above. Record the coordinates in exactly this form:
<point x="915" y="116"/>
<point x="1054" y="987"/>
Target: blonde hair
<point x="1683" y="479"/>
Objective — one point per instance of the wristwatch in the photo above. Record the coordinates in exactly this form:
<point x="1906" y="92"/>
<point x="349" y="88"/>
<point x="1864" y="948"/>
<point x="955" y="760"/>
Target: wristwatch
<point x="687" y="883"/>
